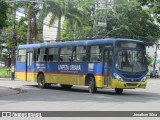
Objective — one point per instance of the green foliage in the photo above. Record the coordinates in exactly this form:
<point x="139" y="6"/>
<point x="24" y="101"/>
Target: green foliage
<point x="3" y="13"/>
<point x="83" y="27"/>
<point x="149" y="60"/>
<point x="75" y="32"/>
<point x="58" y="9"/>
<point x="21" y="32"/>
<point x="32" y="9"/>
<point x="124" y="20"/>
<point x="5" y="72"/>
<point x="154" y="6"/>
<point x="134" y="22"/>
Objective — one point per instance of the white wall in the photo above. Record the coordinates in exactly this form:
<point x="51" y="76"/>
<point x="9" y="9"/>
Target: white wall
<point x="151" y="52"/>
<point x="49" y="33"/>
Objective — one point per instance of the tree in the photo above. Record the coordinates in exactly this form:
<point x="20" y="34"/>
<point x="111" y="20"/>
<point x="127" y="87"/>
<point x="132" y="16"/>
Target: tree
<point x="73" y="30"/>
<point x="130" y="20"/>
<point x="21" y="32"/>
<point x="32" y="9"/>
<point x="59" y="9"/>
<point x="149" y="59"/>
<point x="155" y="9"/>
<point x="3" y="13"/>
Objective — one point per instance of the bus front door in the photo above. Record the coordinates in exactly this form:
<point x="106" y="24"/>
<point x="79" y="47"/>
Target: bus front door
<point x="107" y="67"/>
<point x="29" y="63"/>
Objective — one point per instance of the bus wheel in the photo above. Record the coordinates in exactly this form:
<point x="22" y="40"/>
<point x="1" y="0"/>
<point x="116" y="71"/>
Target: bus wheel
<point x="41" y="82"/>
<point x="118" y="90"/>
<point x="66" y="86"/>
<point x="91" y="85"/>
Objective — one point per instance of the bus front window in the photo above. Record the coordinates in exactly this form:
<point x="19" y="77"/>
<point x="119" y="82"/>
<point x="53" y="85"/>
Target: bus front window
<point x="130" y="60"/>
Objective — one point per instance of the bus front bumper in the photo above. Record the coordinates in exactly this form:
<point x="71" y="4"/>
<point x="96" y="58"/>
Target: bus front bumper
<point x="128" y="85"/>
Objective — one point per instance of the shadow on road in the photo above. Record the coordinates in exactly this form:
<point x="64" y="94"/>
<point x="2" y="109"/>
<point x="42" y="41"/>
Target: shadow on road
<point x="81" y="94"/>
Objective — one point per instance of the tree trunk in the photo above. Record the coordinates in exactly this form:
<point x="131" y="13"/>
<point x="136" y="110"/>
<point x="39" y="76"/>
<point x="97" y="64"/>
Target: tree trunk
<point x="29" y="30"/>
<point x="59" y="29"/>
<point x="35" y="29"/>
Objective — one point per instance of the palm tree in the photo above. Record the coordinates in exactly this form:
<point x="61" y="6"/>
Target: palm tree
<point x="59" y="9"/>
<point x="32" y="10"/>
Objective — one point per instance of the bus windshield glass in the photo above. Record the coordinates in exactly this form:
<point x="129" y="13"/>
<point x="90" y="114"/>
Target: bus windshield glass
<point x="130" y="57"/>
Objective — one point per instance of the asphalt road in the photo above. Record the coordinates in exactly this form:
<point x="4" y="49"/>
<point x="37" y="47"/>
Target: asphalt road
<point x="78" y="99"/>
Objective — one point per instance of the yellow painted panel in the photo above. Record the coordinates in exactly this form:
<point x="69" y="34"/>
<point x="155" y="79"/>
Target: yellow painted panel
<point x="20" y="75"/>
<point x="119" y="84"/>
<point x="80" y="80"/>
<point x="47" y="78"/>
<point x="99" y="81"/>
<point x="65" y="79"/>
<point x="31" y="76"/>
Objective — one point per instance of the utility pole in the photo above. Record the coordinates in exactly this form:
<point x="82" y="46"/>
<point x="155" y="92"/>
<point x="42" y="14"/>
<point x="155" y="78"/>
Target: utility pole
<point x="99" y="17"/>
<point x="13" y="44"/>
<point x="155" y="58"/>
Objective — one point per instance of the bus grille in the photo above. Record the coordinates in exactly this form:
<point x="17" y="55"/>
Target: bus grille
<point x="132" y="84"/>
<point x="131" y="76"/>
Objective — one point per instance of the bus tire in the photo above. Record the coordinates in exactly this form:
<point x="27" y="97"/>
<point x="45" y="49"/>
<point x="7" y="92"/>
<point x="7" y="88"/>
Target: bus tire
<point x="91" y="86"/>
<point x="66" y="86"/>
<point x="118" y="90"/>
<point x="41" y="82"/>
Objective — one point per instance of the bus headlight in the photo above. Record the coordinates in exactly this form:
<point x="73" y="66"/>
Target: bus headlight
<point x="117" y="77"/>
<point x="144" y="78"/>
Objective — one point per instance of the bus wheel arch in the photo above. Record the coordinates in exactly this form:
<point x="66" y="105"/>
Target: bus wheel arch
<point x="41" y="81"/>
<point x="91" y="83"/>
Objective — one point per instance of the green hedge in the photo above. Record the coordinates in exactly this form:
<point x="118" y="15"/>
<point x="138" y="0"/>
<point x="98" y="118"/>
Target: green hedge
<point x="5" y="72"/>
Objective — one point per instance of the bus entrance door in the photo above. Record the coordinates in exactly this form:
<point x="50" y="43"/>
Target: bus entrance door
<point x="29" y="63"/>
<point x="107" y="66"/>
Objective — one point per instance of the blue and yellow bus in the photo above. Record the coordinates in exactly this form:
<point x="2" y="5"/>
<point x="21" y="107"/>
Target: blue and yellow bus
<point x="105" y="63"/>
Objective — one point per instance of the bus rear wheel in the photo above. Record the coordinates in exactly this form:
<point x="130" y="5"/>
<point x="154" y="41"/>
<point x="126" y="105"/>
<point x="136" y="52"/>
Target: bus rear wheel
<point x="118" y="90"/>
<point x="66" y="86"/>
<point x="91" y="86"/>
<point x="41" y="82"/>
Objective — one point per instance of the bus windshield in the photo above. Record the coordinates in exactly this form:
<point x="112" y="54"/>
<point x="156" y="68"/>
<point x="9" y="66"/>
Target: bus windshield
<point x="131" y="60"/>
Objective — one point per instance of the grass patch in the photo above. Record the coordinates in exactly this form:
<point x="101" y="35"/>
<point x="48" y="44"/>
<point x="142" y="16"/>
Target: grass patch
<point x="5" y="72"/>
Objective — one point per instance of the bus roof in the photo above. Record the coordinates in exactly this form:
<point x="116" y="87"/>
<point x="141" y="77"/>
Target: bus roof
<point x="76" y="43"/>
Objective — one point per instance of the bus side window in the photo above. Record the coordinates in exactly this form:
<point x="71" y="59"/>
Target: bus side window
<point x="61" y="58"/>
<point x="95" y="53"/>
<point x="21" y="55"/>
<point x="42" y="54"/>
<point x="66" y="54"/>
<point x="50" y="58"/>
<point x="74" y="54"/>
<point x="45" y="58"/>
<point x="81" y="54"/>
<point x="37" y="54"/>
<point x="53" y="54"/>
